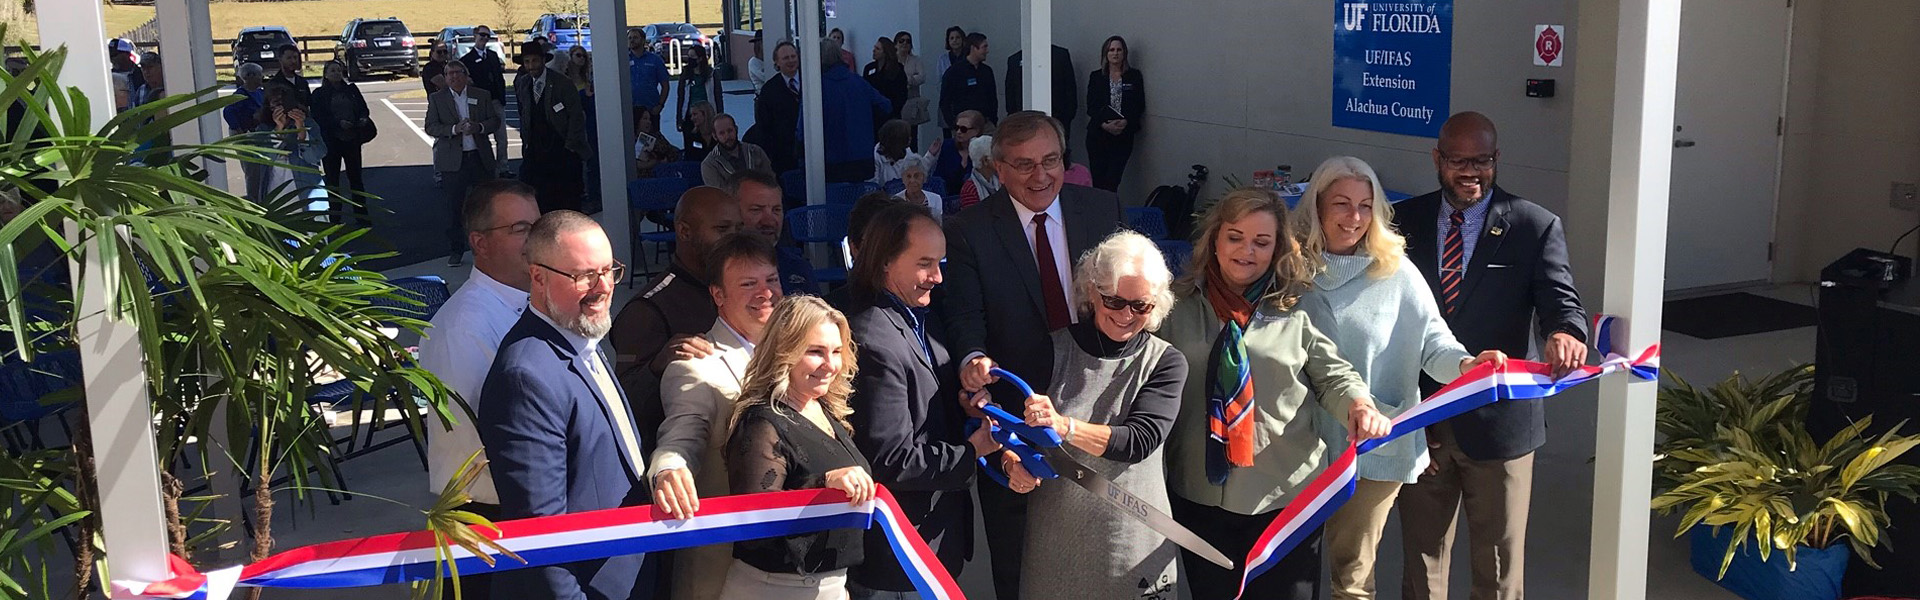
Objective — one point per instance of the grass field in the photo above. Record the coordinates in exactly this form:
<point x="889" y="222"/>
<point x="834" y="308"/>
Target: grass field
<point x="327" y="17"/>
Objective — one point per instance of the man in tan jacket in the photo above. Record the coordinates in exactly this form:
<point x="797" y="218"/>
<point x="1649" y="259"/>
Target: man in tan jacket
<point x="459" y="119"/>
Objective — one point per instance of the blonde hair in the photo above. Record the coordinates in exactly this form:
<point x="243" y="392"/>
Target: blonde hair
<point x="1121" y="254"/>
<point x="1290" y="275"/>
<point x="1384" y="245"/>
<point x="780" y="348"/>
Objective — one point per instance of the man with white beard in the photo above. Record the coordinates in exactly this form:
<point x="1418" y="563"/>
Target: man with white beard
<point x="555" y="425"/>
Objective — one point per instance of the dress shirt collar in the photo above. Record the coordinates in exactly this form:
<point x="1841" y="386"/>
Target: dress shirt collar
<point x="508" y="295"/>
<point x="1026" y="215"/>
<point x="582" y="345"/>
<point x="1475" y="213"/>
<point x="744" y="341"/>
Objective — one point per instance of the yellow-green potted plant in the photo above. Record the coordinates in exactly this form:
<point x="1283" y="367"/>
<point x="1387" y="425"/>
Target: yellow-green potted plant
<point x="1768" y="507"/>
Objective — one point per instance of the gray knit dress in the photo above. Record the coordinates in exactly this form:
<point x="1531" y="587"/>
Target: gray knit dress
<point x="1078" y="546"/>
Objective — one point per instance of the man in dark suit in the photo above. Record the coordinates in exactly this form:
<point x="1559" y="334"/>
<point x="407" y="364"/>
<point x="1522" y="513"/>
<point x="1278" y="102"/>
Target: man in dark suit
<point x="555" y="425"/>
<point x="969" y="85"/>
<point x="1008" y="284"/>
<point x="1066" y="91"/>
<point x="904" y="418"/>
<point x="776" y="111"/>
<point x="489" y="71"/>
<point x="1498" y="267"/>
<point x="554" y="149"/>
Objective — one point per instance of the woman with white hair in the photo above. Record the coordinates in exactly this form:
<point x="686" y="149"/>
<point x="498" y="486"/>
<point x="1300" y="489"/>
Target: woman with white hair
<point x="1371" y="301"/>
<point x="1116" y="390"/>
<point x="913" y="175"/>
<point x="983" y="181"/>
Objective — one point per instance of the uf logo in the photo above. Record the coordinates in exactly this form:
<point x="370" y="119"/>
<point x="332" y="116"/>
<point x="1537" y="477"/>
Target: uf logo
<point x="1356" y="15"/>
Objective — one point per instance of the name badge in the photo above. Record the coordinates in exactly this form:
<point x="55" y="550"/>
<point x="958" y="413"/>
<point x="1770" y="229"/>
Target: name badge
<point x="558" y="106"/>
<point x="972" y="81"/>
<point x="1270" y="318"/>
<point x="473" y="101"/>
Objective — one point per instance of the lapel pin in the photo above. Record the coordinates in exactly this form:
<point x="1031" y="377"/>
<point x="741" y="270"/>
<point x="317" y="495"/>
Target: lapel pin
<point x="1495" y="231"/>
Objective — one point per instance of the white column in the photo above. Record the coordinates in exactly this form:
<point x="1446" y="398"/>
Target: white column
<point x="1036" y="39"/>
<point x="613" y="117"/>
<point x="812" y="112"/>
<point x="186" y="48"/>
<point x="773" y="20"/>
<point x="1645" y="64"/>
<point x="132" y="521"/>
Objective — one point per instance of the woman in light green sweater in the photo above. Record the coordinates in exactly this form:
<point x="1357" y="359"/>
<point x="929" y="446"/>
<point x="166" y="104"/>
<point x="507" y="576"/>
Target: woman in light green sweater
<point x="1244" y="441"/>
<point x="1371" y="301"/>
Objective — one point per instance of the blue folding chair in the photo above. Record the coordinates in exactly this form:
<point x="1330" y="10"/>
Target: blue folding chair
<point x="1177" y="253"/>
<point x="822" y="224"/>
<point x="1147" y="221"/>
<point x="429" y="290"/>
<point x="793" y="186"/>
<point x="651" y="199"/>
<point x="845" y="194"/>
<point x="23" y="385"/>
<point x="685" y="169"/>
<point x="894" y="186"/>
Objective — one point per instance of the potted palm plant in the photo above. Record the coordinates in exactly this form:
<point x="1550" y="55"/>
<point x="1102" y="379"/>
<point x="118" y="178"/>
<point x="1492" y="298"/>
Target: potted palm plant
<point x="1769" y="507"/>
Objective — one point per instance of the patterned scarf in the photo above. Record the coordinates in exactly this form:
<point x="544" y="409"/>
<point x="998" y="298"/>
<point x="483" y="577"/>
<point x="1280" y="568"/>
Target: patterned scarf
<point x="1230" y="378"/>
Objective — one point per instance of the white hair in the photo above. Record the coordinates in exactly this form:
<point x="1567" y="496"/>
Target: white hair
<point x="913" y="161"/>
<point x="246" y="70"/>
<point x="980" y="149"/>
<point x="1123" y="254"/>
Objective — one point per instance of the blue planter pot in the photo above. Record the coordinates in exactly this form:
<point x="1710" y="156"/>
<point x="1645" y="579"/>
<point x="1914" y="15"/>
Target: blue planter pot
<point x="1817" y="576"/>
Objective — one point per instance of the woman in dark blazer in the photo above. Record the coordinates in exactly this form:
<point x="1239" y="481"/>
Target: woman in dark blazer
<point x="1116" y="105"/>
<point x="906" y="418"/>
<point x="346" y="125"/>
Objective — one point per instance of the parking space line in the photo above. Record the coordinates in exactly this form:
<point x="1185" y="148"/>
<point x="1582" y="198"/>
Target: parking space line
<point x="424" y="138"/>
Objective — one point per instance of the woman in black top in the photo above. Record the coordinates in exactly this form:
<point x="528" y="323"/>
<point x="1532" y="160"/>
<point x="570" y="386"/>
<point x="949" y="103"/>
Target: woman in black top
<point x="1116" y="106"/>
<point x="346" y="125"/>
<point x="790" y="432"/>
<point x="433" y="75"/>
<point x="887" y="76"/>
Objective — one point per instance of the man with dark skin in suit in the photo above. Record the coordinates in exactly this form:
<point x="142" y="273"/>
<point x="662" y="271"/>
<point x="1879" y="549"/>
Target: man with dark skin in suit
<point x="1498" y="267"/>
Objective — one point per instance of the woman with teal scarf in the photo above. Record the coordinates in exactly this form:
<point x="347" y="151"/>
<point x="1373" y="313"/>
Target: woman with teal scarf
<point x="1371" y="301"/>
<point x="1245" y="440"/>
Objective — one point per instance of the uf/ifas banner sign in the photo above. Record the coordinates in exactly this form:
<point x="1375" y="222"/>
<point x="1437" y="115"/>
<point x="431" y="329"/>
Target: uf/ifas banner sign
<point x="1392" y="65"/>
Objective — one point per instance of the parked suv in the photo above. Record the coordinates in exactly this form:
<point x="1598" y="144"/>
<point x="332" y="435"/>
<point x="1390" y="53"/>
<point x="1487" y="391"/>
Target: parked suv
<point x="667" y="35"/>
<point x="564" y="30"/>
<point x="260" y="45"/>
<point x="369" y="45"/>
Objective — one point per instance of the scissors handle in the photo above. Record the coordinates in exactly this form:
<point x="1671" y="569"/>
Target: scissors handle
<point x="1033" y="459"/>
<point x="1044" y="437"/>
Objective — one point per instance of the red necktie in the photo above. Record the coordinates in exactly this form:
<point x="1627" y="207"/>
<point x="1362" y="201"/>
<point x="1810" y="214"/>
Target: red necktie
<point x="1050" y="288"/>
<point x="1453" y="263"/>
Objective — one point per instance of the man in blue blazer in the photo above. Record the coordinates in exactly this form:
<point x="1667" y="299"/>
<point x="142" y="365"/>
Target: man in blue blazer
<point x="556" y="427"/>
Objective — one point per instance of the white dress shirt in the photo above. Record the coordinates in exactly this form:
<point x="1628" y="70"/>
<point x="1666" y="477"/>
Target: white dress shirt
<point x="587" y="355"/>
<point x="1057" y="238"/>
<point x="466" y="141"/>
<point x="458" y="347"/>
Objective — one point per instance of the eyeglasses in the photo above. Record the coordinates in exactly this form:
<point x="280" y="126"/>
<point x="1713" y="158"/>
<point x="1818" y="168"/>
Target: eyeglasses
<point x="1139" y="307"/>
<point x="1469" y="162"/>
<point x="613" y="275"/>
<point x="1027" y="167"/>
<point x="516" y="228"/>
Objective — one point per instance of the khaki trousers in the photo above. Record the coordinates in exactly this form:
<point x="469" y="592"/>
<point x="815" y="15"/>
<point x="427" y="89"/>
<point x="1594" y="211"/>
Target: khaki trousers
<point x="1353" y="537"/>
<point x="1495" y="495"/>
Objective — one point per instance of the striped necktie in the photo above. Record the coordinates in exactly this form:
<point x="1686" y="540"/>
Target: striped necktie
<point x="1453" y="263"/>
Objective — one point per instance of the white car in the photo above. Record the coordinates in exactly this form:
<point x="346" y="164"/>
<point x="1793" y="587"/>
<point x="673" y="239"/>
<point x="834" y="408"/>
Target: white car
<point x="459" y="40"/>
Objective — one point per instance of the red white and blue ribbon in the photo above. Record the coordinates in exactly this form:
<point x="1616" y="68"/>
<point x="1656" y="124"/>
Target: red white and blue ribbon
<point x="1519" y="380"/>
<point x="558" y="539"/>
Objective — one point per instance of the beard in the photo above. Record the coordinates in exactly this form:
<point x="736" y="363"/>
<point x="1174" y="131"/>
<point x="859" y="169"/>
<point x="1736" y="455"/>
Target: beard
<point x="1446" y="192"/>
<point x="577" y="320"/>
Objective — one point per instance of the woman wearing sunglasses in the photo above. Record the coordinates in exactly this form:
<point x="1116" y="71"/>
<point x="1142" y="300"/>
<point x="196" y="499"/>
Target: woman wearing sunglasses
<point x="1115" y="391"/>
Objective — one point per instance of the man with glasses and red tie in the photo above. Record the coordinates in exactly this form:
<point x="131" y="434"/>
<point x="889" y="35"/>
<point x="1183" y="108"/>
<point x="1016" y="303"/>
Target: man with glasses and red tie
<point x="1498" y="267"/>
<point x="556" y="427"/>
<point x="1009" y="284"/>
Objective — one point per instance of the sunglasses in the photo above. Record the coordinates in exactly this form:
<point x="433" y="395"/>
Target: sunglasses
<point x="1139" y="307"/>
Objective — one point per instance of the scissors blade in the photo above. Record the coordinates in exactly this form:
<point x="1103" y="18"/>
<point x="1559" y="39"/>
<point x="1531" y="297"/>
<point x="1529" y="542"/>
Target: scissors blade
<point x="1133" y="506"/>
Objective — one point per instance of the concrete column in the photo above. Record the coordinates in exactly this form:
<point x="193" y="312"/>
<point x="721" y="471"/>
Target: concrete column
<point x="774" y="18"/>
<point x="1036" y="39"/>
<point x="131" y="518"/>
<point x="186" y="47"/>
<point x="613" y="117"/>
<point x="812" y="112"/>
<point x="1623" y="136"/>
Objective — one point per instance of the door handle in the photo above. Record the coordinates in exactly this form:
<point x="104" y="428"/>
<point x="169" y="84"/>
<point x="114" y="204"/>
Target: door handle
<point x="1683" y="143"/>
